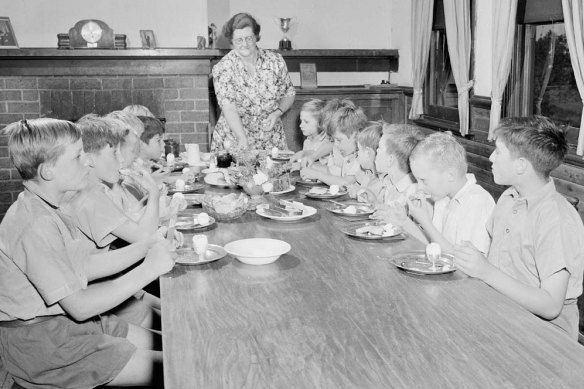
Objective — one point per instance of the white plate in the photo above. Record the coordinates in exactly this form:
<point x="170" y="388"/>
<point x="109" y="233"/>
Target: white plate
<point x="416" y="262"/>
<point x="327" y="195"/>
<point x="307" y="212"/>
<point x="352" y="231"/>
<point x="217" y="179"/>
<point x="187" y="256"/>
<point x="189" y="188"/>
<point x="210" y="170"/>
<point x="291" y="188"/>
<point x="185" y="223"/>
<point x="257" y="251"/>
<point x="340" y="210"/>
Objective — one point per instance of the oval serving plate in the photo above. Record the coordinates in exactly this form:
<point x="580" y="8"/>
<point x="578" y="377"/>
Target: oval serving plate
<point x="184" y="223"/>
<point x="189" y="188"/>
<point x="416" y="262"/>
<point x="307" y="212"/>
<point x="187" y="256"/>
<point x="352" y="231"/>
<point x="365" y="210"/>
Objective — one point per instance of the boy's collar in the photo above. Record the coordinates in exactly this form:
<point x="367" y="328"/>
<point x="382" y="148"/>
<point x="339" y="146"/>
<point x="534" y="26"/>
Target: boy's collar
<point x="38" y="191"/>
<point x="533" y="198"/>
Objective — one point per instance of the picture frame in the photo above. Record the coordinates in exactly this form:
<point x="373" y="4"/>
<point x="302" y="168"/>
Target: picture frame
<point x="308" y="79"/>
<point x="148" y="39"/>
<point x="7" y="36"/>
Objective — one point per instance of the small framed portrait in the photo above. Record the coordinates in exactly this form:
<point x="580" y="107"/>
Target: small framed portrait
<point x="7" y="37"/>
<point x="148" y="39"/>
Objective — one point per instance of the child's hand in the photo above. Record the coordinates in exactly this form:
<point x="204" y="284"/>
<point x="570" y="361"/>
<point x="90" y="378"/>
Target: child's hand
<point x="394" y="214"/>
<point x="306" y="161"/>
<point x="309" y="173"/>
<point x="420" y="210"/>
<point x="471" y="261"/>
<point x="366" y="196"/>
<point x="354" y="190"/>
<point x="160" y="258"/>
<point x="146" y="181"/>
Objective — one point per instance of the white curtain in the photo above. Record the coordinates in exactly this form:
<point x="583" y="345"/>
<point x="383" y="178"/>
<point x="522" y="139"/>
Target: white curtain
<point x="422" y="12"/>
<point x="503" y="23"/>
<point x="574" y="23"/>
<point x="457" y="18"/>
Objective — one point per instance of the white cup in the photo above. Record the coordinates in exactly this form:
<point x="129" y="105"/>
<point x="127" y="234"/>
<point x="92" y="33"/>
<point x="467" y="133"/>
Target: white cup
<point x="193" y="154"/>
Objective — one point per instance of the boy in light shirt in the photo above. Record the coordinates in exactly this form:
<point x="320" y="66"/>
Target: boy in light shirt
<point x="367" y="188"/>
<point x="537" y="250"/>
<point x="461" y="206"/>
<point x="343" y="165"/>
<point x="53" y="325"/>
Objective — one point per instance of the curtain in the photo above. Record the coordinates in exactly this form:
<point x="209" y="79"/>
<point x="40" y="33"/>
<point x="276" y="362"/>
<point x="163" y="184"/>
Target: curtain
<point x="503" y="23"/>
<point x="457" y="18"/>
<point x="574" y="24"/>
<point x="422" y="12"/>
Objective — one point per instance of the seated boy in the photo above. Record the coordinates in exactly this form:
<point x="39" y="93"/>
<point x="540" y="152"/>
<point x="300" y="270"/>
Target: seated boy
<point x="461" y="206"/>
<point x="98" y="212"/>
<point x="367" y="188"/>
<point x="537" y="251"/>
<point x="152" y="146"/>
<point x="343" y="165"/>
<point x="392" y="164"/>
<point x="52" y="326"/>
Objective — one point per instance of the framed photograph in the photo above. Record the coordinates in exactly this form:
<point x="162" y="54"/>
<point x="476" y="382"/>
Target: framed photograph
<point x="148" y="39"/>
<point x="7" y="36"/>
<point x="308" y="75"/>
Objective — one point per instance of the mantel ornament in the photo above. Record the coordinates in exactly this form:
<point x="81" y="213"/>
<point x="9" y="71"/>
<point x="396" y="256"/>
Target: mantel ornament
<point x="91" y="34"/>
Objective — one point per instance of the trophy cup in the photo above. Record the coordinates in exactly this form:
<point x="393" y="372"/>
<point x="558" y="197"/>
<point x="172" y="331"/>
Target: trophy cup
<point x="285" y="24"/>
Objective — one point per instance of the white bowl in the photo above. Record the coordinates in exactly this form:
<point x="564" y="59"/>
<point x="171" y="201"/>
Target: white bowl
<point x="257" y="251"/>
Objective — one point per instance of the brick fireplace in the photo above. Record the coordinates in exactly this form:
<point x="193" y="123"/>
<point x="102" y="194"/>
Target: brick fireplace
<point x="70" y="84"/>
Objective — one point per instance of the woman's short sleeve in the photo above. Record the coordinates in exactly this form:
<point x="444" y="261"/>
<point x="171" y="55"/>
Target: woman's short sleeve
<point x="224" y="86"/>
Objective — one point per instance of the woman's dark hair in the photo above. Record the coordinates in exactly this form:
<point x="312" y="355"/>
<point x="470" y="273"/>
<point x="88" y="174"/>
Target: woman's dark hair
<point x="239" y="21"/>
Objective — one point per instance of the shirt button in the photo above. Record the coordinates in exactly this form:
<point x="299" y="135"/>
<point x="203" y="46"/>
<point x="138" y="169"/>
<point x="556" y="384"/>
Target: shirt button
<point x="506" y="230"/>
<point x="514" y="211"/>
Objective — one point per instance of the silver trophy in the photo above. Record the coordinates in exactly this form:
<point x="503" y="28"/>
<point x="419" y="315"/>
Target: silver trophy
<point x="285" y="24"/>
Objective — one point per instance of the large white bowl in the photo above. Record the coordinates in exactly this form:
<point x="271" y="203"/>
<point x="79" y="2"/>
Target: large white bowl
<point x="257" y="251"/>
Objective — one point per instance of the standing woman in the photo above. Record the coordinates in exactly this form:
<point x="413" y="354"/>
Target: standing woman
<point x="253" y="89"/>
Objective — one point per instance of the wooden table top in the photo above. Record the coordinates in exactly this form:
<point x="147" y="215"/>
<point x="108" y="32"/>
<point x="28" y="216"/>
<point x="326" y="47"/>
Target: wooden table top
<point x="333" y="313"/>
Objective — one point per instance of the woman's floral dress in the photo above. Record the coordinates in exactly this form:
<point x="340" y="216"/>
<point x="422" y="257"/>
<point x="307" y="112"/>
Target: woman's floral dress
<point x="254" y="96"/>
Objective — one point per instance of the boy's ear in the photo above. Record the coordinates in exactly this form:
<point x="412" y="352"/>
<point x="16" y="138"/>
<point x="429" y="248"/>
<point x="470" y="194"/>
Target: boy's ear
<point x="45" y="172"/>
<point x="521" y="165"/>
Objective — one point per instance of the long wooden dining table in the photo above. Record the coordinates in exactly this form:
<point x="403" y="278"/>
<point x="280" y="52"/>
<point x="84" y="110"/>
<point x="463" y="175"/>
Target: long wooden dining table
<point x="334" y="312"/>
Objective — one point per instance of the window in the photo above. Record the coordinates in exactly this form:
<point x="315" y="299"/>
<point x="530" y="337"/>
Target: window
<point x="542" y="80"/>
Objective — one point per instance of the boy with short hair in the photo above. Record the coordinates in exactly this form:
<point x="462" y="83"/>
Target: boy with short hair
<point x="461" y="206"/>
<point x="343" y="165"/>
<point x="52" y="327"/>
<point x="537" y="251"/>
<point x="152" y="139"/>
<point x="392" y="163"/>
<point x="367" y="187"/>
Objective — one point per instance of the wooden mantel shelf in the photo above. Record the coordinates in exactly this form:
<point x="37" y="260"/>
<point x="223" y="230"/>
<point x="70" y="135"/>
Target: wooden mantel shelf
<point x="334" y="60"/>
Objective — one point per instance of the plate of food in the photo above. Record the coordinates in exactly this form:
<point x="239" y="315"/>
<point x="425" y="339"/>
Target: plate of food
<point x="375" y="231"/>
<point x="285" y="211"/>
<point x="309" y="182"/>
<point x="194" y="199"/>
<point x="180" y="186"/>
<point x="351" y="209"/>
<point x="417" y="262"/>
<point x="331" y="192"/>
<point x="194" y="222"/>
<point x="188" y="256"/>
<point x="291" y="188"/>
<point x="211" y="170"/>
<point x="218" y="179"/>
<point x="282" y="155"/>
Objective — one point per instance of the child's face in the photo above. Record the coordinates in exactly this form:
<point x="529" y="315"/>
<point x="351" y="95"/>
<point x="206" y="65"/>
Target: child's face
<point x="346" y="145"/>
<point x="71" y="168"/>
<point x="308" y="123"/>
<point x="130" y="149"/>
<point x="383" y="159"/>
<point x="106" y="164"/>
<point x="502" y="164"/>
<point x="431" y="180"/>
<point x="366" y="157"/>
<point x="154" y="148"/>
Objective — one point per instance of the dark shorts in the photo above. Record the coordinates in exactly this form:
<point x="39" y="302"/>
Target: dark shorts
<point x="61" y="353"/>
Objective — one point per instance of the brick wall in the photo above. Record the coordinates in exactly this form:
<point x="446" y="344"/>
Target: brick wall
<point x="182" y="99"/>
